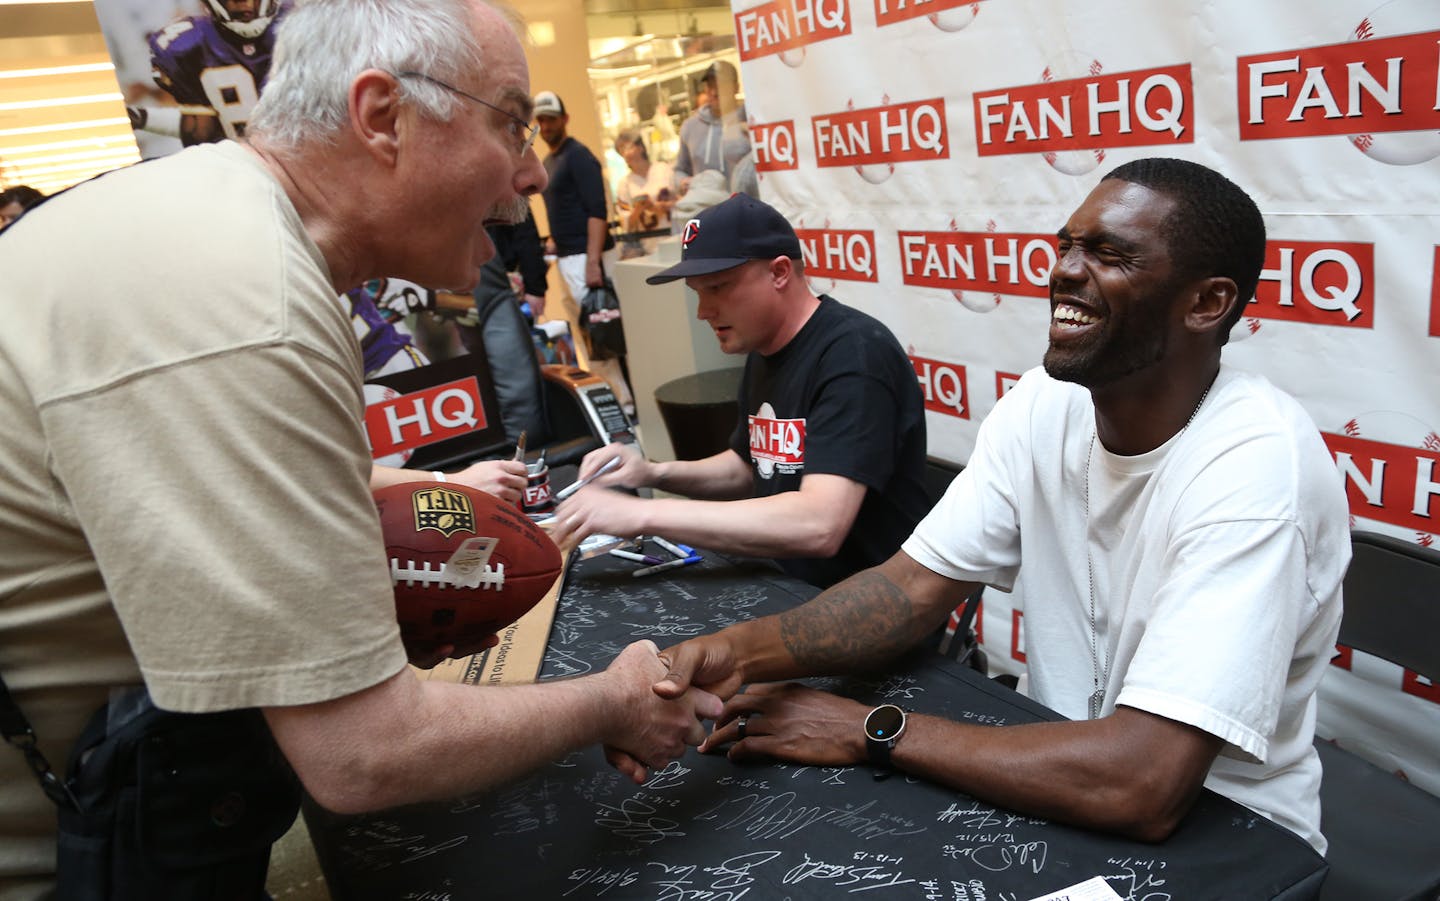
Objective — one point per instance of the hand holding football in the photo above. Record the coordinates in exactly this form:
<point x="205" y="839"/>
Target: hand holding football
<point x="464" y="564"/>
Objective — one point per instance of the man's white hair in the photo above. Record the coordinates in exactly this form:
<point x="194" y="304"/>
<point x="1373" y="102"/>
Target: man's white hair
<point x="323" y="44"/>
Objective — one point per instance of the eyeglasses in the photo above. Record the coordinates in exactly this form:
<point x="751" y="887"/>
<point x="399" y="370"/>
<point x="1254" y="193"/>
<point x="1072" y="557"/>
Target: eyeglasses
<point x="523" y="133"/>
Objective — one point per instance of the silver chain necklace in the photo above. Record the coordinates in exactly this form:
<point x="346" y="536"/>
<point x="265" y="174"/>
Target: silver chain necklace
<point x="1097" y="697"/>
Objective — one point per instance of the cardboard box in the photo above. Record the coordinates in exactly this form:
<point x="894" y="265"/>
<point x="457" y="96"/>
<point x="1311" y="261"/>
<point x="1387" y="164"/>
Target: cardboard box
<point x="515" y="660"/>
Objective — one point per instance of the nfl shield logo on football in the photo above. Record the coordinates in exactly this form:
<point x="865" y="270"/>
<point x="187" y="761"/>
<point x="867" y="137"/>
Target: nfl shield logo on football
<point x="442" y="509"/>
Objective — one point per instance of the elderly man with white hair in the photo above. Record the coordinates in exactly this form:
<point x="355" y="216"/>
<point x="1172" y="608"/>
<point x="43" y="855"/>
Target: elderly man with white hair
<point x="184" y="497"/>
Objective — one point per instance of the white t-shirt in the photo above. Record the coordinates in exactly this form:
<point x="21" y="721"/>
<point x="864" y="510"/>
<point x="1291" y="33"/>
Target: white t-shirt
<point x="1217" y="562"/>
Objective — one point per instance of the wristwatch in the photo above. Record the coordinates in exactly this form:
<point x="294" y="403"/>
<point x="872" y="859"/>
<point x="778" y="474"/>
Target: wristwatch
<point x="883" y="727"/>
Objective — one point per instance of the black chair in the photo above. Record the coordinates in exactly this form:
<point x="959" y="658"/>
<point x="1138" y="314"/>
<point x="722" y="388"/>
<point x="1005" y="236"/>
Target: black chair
<point x="1384" y="833"/>
<point x="956" y="638"/>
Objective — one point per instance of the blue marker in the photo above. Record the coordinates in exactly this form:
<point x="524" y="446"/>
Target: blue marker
<point x="678" y="550"/>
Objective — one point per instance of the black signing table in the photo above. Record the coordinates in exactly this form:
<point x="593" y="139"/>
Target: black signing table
<point x="704" y="828"/>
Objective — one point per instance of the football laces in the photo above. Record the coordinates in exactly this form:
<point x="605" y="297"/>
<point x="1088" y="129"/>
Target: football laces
<point x="440" y="575"/>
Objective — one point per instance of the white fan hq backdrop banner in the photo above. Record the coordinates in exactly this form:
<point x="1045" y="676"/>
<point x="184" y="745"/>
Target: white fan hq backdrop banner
<point x="928" y="151"/>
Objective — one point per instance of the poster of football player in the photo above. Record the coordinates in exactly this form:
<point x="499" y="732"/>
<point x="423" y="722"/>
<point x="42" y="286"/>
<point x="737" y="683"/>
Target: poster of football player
<point x="190" y="70"/>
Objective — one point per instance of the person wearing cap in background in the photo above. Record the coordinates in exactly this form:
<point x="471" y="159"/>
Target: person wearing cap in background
<point x="579" y="231"/>
<point x="824" y="468"/>
<point x="716" y="135"/>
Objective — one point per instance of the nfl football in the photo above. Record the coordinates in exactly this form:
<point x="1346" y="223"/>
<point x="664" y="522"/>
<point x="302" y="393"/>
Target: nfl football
<point x="464" y="563"/>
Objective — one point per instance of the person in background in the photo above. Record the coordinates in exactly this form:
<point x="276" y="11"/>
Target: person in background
<point x="654" y="126"/>
<point x="15" y="201"/>
<point x="579" y="226"/>
<point x="824" y="470"/>
<point x="716" y="136"/>
<point x="506" y="306"/>
<point x="186" y="511"/>
<point x="1181" y="529"/>
<point x="645" y="195"/>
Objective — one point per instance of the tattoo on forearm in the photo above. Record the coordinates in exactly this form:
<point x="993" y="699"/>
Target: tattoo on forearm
<point x="864" y="620"/>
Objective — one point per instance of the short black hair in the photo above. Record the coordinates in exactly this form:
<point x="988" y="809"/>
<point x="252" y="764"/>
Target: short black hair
<point x="721" y="70"/>
<point x="1214" y="229"/>
<point x="631" y="136"/>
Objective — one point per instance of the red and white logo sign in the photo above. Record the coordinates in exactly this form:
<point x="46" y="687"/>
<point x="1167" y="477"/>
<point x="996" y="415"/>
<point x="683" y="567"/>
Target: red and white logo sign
<point x="1364" y="88"/>
<point x="1435" y="295"/>
<point x="947" y="15"/>
<point x="537" y="495"/>
<point x="1125" y="109"/>
<point x="774" y="145"/>
<point x="1390" y="483"/>
<point x="1004" y="381"/>
<point x="943" y="386"/>
<point x="400" y="423"/>
<point x="783" y="25"/>
<point x="776" y="445"/>
<point x="1328" y="283"/>
<point x="836" y="253"/>
<point x="1015" y="264"/>
<point x="886" y="134"/>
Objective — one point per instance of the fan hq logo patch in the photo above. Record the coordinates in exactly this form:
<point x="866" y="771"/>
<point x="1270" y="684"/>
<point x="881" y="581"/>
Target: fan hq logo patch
<point x="443" y="510"/>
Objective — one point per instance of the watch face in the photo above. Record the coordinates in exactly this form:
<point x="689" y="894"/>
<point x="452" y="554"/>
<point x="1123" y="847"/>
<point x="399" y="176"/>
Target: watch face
<point x="885" y="723"/>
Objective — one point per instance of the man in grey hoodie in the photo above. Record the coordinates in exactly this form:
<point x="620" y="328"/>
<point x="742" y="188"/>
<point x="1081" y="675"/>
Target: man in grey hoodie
<point x="716" y="136"/>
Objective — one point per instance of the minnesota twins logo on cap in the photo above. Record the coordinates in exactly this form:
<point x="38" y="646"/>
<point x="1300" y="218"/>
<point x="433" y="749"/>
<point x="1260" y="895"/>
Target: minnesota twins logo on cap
<point x="736" y="231"/>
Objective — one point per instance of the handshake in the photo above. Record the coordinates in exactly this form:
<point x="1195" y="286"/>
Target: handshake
<point x="651" y="719"/>
<point x="666" y="697"/>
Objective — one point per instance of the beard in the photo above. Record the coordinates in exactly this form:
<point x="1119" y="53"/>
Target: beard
<point x="509" y="212"/>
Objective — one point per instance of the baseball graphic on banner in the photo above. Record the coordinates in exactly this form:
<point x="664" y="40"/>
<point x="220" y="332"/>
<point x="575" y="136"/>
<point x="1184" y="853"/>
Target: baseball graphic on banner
<point x="1387" y="458"/>
<point x="1073" y="162"/>
<point x="1247" y="326"/>
<point x="1397" y="17"/>
<point x="954" y="19"/>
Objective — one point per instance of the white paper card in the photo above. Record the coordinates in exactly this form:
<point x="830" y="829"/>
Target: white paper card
<point x="1093" y="889"/>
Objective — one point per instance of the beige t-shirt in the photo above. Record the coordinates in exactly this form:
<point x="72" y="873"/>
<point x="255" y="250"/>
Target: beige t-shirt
<point x="183" y="468"/>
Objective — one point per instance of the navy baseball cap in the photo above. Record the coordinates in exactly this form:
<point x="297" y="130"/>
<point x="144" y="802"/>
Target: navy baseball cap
<point x="728" y="234"/>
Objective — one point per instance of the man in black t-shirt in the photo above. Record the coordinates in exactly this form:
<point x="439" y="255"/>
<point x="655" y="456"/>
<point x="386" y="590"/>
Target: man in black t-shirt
<point x="824" y="468"/>
<point x="575" y="206"/>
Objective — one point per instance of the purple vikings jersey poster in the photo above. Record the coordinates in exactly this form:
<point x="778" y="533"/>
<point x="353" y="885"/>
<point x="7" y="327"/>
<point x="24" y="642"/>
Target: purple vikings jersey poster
<point x="190" y="70"/>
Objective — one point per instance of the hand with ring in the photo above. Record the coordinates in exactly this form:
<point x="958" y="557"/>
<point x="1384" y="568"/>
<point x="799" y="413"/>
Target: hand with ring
<point x="791" y="722"/>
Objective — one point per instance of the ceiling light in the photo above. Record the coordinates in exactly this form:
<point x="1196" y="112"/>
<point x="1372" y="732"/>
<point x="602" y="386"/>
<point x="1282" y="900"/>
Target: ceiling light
<point x="76" y="100"/>
<point x="57" y="70"/>
<point x="65" y="126"/>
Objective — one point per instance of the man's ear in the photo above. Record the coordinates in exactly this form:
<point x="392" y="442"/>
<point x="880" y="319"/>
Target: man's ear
<point x="1211" y="304"/>
<point x="375" y="114"/>
<point x="782" y="270"/>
